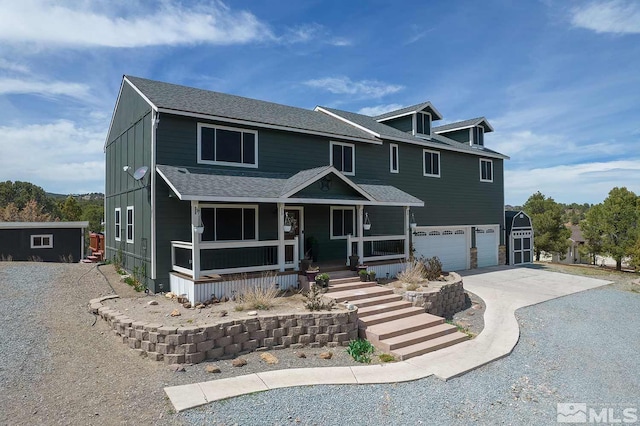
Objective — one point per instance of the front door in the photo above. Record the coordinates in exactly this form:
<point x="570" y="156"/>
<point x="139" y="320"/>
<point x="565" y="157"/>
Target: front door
<point x="296" y="216"/>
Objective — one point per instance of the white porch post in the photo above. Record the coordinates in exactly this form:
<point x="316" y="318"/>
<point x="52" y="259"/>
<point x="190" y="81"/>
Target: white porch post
<point x="296" y="254"/>
<point x="195" y="240"/>
<point x="407" y="232"/>
<point x="281" y="258"/>
<point x="349" y="247"/>
<point x="360" y="232"/>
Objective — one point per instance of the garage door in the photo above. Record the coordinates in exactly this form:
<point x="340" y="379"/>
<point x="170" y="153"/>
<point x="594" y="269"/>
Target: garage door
<point x="487" y="244"/>
<point x="449" y="244"/>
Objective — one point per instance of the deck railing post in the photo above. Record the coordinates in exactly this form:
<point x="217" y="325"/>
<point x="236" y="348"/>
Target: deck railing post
<point x="361" y="232"/>
<point x="349" y="248"/>
<point x="296" y="254"/>
<point x="195" y="240"/>
<point x="281" y="250"/>
<point x="407" y="233"/>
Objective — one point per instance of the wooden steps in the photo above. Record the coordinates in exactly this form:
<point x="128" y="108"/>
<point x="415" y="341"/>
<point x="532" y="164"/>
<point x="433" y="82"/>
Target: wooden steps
<point x="391" y="324"/>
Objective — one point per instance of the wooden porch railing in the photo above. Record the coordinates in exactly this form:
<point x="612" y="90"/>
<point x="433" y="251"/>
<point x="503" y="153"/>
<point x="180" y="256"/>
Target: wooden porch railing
<point x="374" y="248"/>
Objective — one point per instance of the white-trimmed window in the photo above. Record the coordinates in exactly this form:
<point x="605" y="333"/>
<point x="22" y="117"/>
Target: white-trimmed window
<point x="343" y="157"/>
<point x="230" y="222"/>
<point x="130" y="217"/>
<point x="394" y="160"/>
<point x="430" y="163"/>
<point x="227" y="146"/>
<point x="42" y="241"/>
<point x="117" y="224"/>
<point x="343" y="222"/>
<point x="477" y="135"/>
<point x="422" y="123"/>
<point x="486" y="170"/>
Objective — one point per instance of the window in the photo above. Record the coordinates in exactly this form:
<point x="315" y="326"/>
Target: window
<point x="130" y="224"/>
<point x="227" y="146"/>
<point x="343" y="222"/>
<point x="477" y="136"/>
<point x="423" y="123"/>
<point x="117" y="223"/>
<point x="41" y="241"/>
<point x="230" y="223"/>
<point x="486" y="170"/>
<point x="343" y="157"/>
<point x="431" y="163"/>
<point x="393" y="158"/>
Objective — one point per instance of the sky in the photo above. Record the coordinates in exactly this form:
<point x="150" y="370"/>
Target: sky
<point x="558" y="80"/>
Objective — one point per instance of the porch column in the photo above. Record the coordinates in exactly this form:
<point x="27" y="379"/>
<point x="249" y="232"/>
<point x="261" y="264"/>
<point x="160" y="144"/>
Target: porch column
<point x="281" y="259"/>
<point x="361" y="232"/>
<point x="195" y="240"/>
<point x="407" y="232"/>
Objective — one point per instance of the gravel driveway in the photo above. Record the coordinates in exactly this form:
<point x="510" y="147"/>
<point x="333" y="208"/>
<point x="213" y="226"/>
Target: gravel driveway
<point x="58" y="367"/>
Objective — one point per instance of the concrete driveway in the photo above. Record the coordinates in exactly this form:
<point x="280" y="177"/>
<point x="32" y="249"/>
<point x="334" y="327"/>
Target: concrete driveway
<point x="504" y="290"/>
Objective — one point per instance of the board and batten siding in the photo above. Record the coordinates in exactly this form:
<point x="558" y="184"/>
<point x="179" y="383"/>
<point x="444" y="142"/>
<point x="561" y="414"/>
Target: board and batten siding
<point x="16" y="243"/>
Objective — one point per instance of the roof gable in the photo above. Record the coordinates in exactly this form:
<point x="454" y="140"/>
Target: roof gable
<point x="424" y="106"/>
<point x="479" y="121"/>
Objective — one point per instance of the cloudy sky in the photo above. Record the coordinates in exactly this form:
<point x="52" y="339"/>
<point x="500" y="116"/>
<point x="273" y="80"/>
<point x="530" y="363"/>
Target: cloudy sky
<point x="558" y="80"/>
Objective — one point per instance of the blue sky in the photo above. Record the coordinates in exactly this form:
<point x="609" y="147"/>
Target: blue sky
<point x="558" y="80"/>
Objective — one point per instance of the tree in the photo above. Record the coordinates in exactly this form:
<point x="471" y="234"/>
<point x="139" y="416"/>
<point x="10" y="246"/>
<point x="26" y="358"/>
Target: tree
<point x="33" y="212"/>
<point x="94" y="214"/>
<point x="592" y="232"/>
<point x="20" y="193"/>
<point x="550" y="234"/>
<point x="70" y="209"/>
<point x="619" y="224"/>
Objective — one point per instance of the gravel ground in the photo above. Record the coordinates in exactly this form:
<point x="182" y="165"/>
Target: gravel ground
<point x="58" y="367"/>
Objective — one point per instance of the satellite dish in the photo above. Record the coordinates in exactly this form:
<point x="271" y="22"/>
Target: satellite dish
<point x="140" y="173"/>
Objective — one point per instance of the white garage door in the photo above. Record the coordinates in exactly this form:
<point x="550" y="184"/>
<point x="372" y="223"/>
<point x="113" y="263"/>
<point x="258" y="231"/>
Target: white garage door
<point x="449" y="244"/>
<point x="487" y="244"/>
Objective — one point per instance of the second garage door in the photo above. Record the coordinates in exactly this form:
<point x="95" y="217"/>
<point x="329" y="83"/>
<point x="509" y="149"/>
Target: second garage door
<point x="449" y="244"/>
<point x="487" y="244"/>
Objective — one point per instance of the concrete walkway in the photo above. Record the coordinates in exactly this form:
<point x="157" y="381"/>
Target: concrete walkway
<point x="504" y="290"/>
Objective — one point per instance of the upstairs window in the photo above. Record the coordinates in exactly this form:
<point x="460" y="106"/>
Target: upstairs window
<point x="343" y="157"/>
<point x="394" y="166"/>
<point x="227" y="146"/>
<point x="486" y="170"/>
<point x="130" y="224"/>
<point x="117" y="224"/>
<point x="230" y="223"/>
<point x="42" y="241"/>
<point x="423" y="123"/>
<point x="477" y="136"/>
<point x="343" y="222"/>
<point x="431" y="163"/>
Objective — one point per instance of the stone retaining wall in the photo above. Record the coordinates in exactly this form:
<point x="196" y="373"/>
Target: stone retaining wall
<point x="443" y="300"/>
<point x="194" y="344"/>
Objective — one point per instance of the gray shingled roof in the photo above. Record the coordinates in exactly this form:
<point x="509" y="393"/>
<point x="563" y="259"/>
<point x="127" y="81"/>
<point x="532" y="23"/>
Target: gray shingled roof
<point x="408" y="110"/>
<point x="189" y="99"/>
<point x="202" y="183"/>
<point x="464" y="124"/>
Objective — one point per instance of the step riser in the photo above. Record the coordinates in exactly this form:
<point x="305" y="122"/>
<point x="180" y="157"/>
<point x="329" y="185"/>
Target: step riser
<point x="365" y="304"/>
<point x="403" y="357"/>
<point x="367" y="321"/>
<point x="348" y="286"/>
<point x="407" y="330"/>
<point x="352" y="297"/>
<point x="409" y="342"/>
<point x="381" y="308"/>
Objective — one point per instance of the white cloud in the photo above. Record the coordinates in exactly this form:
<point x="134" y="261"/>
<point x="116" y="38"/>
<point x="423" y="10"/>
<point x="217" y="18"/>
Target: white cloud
<point x="13" y="67"/>
<point x="379" y="109"/>
<point x="52" y="88"/>
<point x="618" y="17"/>
<point x="585" y="182"/>
<point x="58" y="156"/>
<point x="363" y="88"/>
<point x="162" y="23"/>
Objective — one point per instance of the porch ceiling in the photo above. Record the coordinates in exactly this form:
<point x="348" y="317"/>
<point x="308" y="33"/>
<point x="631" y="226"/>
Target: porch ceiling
<point x="202" y="184"/>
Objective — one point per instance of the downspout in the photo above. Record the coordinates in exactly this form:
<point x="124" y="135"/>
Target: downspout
<point x="155" y="119"/>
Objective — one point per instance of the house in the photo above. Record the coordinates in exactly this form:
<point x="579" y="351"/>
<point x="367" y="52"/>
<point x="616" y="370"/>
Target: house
<point x="202" y="185"/>
<point x="519" y="237"/>
<point x="573" y="254"/>
<point x="42" y="241"/>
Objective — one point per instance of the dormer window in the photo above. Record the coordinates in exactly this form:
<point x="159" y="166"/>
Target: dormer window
<point x="422" y="123"/>
<point x="477" y="135"/>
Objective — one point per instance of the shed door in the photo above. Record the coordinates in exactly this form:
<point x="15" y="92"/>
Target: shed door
<point x="487" y="244"/>
<point x="521" y="247"/>
<point x="449" y="244"/>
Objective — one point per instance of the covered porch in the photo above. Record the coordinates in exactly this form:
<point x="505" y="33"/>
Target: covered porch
<point x="245" y="223"/>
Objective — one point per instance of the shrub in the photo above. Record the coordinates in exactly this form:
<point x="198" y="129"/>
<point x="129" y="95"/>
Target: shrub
<point x="261" y="295"/>
<point x="361" y="350"/>
<point x="315" y="302"/>
<point x="412" y="273"/>
<point x="386" y="358"/>
<point x="66" y="259"/>
<point x="432" y="268"/>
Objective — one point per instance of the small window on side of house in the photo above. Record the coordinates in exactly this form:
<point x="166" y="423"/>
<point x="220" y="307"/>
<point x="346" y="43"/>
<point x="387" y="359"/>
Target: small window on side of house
<point x="343" y="157"/>
<point x="130" y="219"/>
<point x="117" y="228"/>
<point x="431" y="163"/>
<point x="486" y="170"/>
<point x="478" y="136"/>
<point x="394" y="161"/>
<point x="423" y="123"/>
<point x="42" y="241"/>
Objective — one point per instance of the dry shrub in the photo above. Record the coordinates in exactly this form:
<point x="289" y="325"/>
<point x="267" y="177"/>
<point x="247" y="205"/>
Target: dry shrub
<point x="259" y="295"/>
<point x="34" y="259"/>
<point x="66" y="259"/>
<point x="7" y="258"/>
<point x="412" y="273"/>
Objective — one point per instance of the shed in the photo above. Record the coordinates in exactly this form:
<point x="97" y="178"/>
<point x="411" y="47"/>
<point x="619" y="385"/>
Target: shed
<point x="42" y="241"/>
<point x="519" y="238"/>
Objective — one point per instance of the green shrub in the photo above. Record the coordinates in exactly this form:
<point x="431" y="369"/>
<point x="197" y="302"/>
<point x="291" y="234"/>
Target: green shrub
<point x="315" y="302"/>
<point x="386" y="358"/>
<point x="361" y="350"/>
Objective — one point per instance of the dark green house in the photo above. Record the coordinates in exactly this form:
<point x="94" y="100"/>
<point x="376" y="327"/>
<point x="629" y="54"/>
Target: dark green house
<point x="200" y="183"/>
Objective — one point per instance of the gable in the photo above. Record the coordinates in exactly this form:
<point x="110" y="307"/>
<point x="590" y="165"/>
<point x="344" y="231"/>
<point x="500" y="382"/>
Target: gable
<point x="329" y="187"/>
<point x="129" y="109"/>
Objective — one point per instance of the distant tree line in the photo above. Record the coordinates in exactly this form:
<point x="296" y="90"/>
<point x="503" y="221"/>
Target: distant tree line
<point x="26" y="202"/>
<point x="611" y="228"/>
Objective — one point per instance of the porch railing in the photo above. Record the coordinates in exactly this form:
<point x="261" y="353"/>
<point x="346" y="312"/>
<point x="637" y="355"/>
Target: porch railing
<point x="232" y="257"/>
<point x="374" y="248"/>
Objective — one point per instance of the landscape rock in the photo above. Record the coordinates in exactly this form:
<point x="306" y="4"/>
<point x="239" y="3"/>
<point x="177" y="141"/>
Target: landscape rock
<point x="239" y="362"/>
<point x="200" y="306"/>
<point x="223" y="313"/>
<point x="170" y="295"/>
<point x="177" y="368"/>
<point x="186" y="305"/>
<point x="301" y="355"/>
<point x="152" y="303"/>
<point x="175" y="313"/>
<point x="268" y="358"/>
<point x="326" y="355"/>
<point x="212" y="369"/>
<point x="252" y="313"/>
